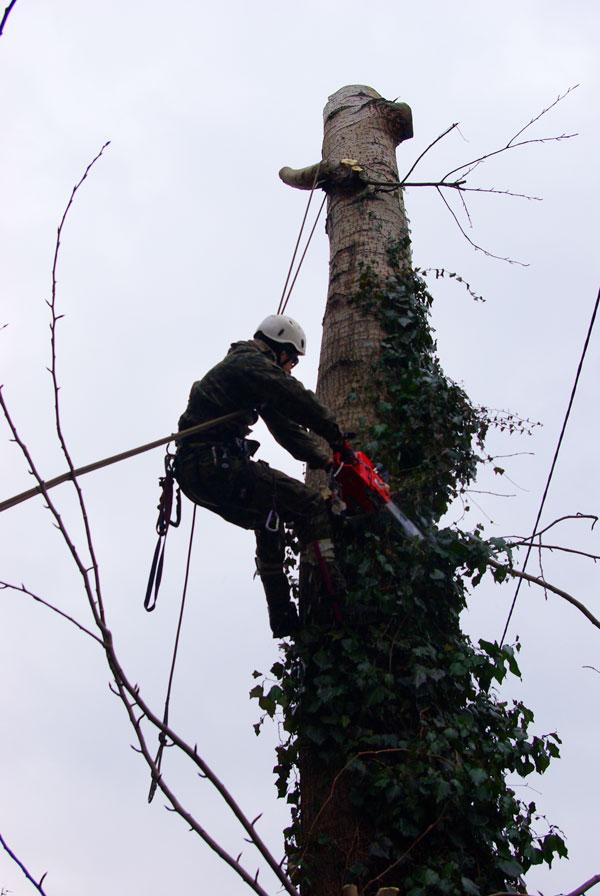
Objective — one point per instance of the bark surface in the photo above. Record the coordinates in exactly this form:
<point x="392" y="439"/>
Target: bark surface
<point x="361" y="224"/>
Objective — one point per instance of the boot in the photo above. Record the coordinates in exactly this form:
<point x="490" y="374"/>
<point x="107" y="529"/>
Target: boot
<point x="283" y="616"/>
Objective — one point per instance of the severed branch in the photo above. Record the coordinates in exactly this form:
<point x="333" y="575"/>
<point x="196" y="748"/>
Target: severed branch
<point x="37" y="884"/>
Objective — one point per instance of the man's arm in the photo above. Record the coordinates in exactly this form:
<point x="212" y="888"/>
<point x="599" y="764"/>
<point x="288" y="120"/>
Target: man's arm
<point x="277" y="392"/>
<point x="295" y="439"/>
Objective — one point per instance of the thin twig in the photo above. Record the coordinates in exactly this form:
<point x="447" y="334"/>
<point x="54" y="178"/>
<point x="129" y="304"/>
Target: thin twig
<point x="406" y="853"/>
<point x="543" y="584"/>
<point x="193" y="755"/>
<point x="542" y="576"/>
<point x="578" y="891"/>
<point x="54" y="319"/>
<point x="478" y="491"/>
<point x="334" y="784"/>
<point x="496" y="152"/>
<point x="7" y="12"/>
<point x="54" y="511"/>
<point x="561" y="519"/>
<point x="37" y="884"/>
<point x="553" y="547"/>
<point x="178" y="807"/>
<point x="6" y="586"/>
<point x="554" y="103"/>
<point x="469" y="240"/>
<point x="458" y="185"/>
<point x="425" y="151"/>
<point x="511" y="143"/>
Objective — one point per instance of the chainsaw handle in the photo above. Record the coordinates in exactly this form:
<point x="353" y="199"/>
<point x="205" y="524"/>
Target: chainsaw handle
<point x="344" y="454"/>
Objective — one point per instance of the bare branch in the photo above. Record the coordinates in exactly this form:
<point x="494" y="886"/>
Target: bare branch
<point x="179" y="808"/>
<point x="496" y="152"/>
<point x="469" y="240"/>
<point x="554" y="103"/>
<point x="578" y="891"/>
<point x="23" y="590"/>
<point x="459" y="185"/>
<point x="477" y="491"/>
<point x="425" y="151"/>
<point x="527" y="539"/>
<point x="553" y="547"/>
<point x="7" y="12"/>
<point x="543" y="584"/>
<point x="51" y="506"/>
<point x="38" y="885"/>
<point x="53" y="373"/>
<point x="511" y="143"/>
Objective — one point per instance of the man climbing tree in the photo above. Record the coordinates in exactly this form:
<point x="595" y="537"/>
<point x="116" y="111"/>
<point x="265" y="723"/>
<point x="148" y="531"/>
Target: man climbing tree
<point x="216" y="469"/>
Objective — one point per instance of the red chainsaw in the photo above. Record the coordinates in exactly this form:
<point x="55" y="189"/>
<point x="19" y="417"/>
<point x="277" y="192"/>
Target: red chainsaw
<point x="362" y="487"/>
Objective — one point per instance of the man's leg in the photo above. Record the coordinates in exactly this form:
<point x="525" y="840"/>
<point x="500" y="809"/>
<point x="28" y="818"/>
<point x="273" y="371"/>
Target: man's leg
<point x="270" y="555"/>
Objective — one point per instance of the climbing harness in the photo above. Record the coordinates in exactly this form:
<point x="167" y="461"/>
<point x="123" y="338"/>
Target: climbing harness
<point x="164" y="522"/>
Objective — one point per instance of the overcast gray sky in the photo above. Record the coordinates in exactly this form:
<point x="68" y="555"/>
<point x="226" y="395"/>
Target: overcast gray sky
<point x="178" y="244"/>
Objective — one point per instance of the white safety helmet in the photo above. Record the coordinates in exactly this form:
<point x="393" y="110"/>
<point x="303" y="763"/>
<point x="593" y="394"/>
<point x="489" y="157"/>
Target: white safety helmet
<point x="282" y="329"/>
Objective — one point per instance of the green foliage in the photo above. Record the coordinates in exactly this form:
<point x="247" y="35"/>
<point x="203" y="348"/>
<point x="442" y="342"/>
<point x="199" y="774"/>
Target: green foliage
<point x="426" y="424"/>
<point x="395" y="703"/>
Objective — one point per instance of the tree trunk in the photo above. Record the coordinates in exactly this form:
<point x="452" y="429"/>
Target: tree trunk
<point x="401" y="742"/>
<point x="361" y="133"/>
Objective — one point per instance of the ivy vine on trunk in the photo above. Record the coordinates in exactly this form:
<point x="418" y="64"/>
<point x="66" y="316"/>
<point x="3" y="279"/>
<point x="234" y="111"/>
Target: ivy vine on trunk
<point x="400" y="707"/>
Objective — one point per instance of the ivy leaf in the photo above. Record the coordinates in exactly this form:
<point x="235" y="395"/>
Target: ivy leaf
<point x="510" y="867"/>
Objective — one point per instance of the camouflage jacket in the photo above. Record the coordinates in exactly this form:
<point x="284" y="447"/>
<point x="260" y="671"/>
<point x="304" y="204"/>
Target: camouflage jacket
<point x="249" y="379"/>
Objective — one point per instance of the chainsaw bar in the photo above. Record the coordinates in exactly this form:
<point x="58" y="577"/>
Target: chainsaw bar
<point x="407" y="525"/>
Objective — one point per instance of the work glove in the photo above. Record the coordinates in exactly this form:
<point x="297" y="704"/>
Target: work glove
<point x="345" y="451"/>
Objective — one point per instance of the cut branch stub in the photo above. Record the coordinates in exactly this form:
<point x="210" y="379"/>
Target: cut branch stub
<point x="327" y="175"/>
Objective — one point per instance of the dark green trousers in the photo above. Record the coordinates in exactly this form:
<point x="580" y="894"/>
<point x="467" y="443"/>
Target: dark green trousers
<point x="246" y="491"/>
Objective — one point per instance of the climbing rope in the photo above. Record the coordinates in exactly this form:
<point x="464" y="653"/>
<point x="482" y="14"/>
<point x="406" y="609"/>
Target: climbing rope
<point x="283" y="301"/>
<point x="554" y="460"/>
<point x="117" y="458"/>
<point x="162" y="740"/>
